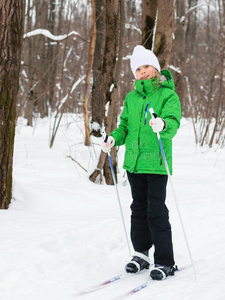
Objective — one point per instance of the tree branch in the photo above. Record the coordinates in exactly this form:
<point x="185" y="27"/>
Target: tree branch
<point x="51" y="36"/>
<point x="76" y="162"/>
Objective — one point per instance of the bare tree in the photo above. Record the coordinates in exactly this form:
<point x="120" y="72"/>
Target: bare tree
<point x="88" y="73"/>
<point x="220" y="102"/>
<point x="109" y="83"/>
<point x="178" y="60"/>
<point x="11" y="34"/>
<point x="51" y="68"/>
<point x="97" y="107"/>
<point x="29" y="102"/>
<point x="149" y="12"/>
<point x="191" y="27"/>
<point x="158" y="28"/>
<point x="164" y="32"/>
<point x="111" y="121"/>
<point x="40" y="61"/>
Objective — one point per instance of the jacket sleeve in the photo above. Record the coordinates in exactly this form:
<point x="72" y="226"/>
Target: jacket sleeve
<point x="121" y="131"/>
<point x="171" y="113"/>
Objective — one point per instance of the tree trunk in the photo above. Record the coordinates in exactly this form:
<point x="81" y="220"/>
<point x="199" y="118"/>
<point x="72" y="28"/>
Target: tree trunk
<point x="219" y="107"/>
<point x="149" y="11"/>
<point x="110" y="51"/>
<point x="164" y="32"/>
<point x="53" y="50"/>
<point x="41" y="62"/>
<point x="113" y="107"/>
<point x="97" y="107"/>
<point x="88" y="73"/>
<point x="11" y="34"/>
<point x="179" y="57"/>
<point x="191" y="28"/>
<point x="180" y="29"/>
<point x="109" y="84"/>
<point x="30" y="97"/>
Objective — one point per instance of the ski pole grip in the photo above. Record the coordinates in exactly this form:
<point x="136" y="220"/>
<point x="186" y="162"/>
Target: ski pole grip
<point x="151" y="110"/>
<point x="106" y="139"/>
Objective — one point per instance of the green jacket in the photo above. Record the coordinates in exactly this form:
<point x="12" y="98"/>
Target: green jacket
<point x="143" y="154"/>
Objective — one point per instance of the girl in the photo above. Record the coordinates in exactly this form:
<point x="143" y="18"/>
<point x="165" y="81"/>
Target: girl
<point x="143" y="161"/>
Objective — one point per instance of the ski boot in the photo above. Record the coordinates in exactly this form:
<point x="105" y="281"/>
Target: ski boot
<point x="160" y="272"/>
<point x="139" y="262"/>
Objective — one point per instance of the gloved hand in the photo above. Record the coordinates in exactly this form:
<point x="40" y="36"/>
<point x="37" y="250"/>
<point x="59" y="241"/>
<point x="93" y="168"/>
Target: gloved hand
<point x="106" y="146"/>
<point x="157" y="124"/>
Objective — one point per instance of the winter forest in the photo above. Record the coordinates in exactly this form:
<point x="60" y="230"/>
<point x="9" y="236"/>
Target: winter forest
<point x="75" y="59"/>
<point x="64" y="75"/>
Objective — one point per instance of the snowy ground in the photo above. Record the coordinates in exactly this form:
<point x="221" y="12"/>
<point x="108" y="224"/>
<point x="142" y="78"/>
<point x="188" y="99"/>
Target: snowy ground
<point x="62" y="232"/>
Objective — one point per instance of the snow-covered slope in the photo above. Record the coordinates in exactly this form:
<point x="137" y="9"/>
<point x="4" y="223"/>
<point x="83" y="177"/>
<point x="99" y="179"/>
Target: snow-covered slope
<point x="62" y="232"/>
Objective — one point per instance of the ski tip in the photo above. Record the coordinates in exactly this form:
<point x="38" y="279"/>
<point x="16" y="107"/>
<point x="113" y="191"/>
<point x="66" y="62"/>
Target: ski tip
<point x="101" y="285"/>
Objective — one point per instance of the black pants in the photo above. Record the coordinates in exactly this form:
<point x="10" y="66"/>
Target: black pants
<point x="150" y="216"/>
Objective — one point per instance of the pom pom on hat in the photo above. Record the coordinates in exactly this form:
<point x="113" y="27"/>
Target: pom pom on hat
<point x="142" y="56"/>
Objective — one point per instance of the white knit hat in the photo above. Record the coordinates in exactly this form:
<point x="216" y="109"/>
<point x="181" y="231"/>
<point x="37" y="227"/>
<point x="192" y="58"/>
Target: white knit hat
<point x="142" y="56"/>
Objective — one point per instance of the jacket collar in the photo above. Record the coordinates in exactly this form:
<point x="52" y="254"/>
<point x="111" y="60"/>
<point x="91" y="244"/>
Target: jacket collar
<point x="144" y="87"/>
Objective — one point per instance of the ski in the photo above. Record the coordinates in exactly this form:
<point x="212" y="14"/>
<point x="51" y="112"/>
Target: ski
<point x="118" y="278"/>
<point x="133" y="291"/>
<point x="104" y="284"/>
<point x="140" y="287"/>
<point x="108" y="282"/>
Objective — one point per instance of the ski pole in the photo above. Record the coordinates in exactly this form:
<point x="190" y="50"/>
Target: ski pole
<point x="118" y="197"/>
<point x="174" y="194"/>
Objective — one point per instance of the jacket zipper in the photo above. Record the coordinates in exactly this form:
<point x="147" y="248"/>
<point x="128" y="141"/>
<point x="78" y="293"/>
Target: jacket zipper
<point x="146" y="112"/>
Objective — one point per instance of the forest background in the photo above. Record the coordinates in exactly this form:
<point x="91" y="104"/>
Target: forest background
<point x="75" y="60"/>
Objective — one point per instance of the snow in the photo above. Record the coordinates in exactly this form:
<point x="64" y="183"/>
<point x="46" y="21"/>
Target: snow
<point x="182" y="19"/>
<point x="49" y="35"/>
<point x="132" y="26"/>
<point x="95" y="126"/>
<point x="111" y="88"/>
<point x="175" y="69"/>
<point x="74" y="86"/>
<point x="62" y="232"/>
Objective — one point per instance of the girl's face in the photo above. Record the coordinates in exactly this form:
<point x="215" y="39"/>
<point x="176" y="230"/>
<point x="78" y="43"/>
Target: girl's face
<point x="145" y="72"/>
